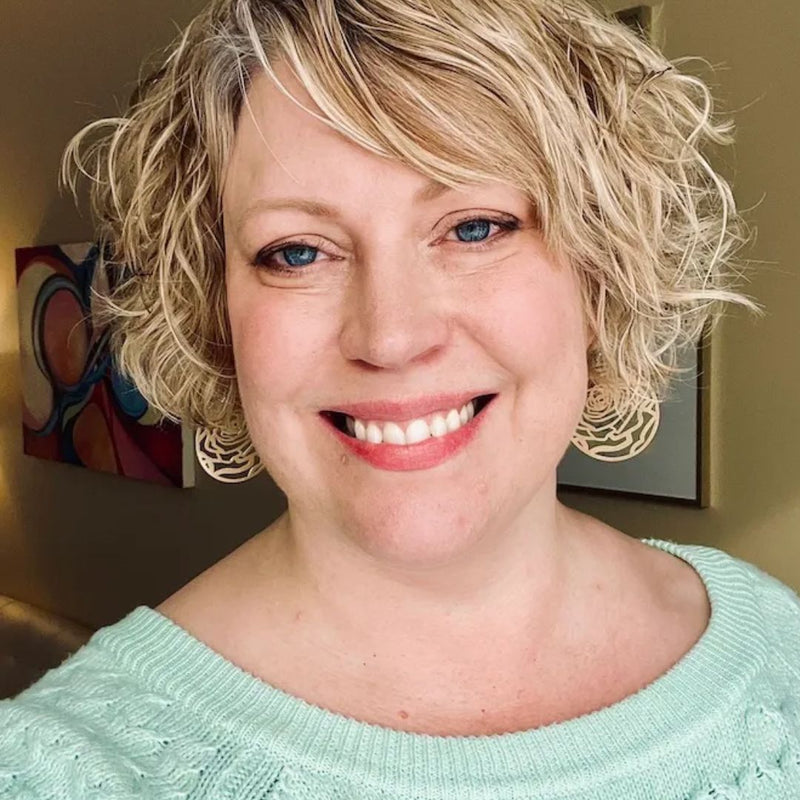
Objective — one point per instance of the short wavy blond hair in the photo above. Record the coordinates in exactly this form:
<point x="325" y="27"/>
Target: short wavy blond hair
<point x="602" y="133"/>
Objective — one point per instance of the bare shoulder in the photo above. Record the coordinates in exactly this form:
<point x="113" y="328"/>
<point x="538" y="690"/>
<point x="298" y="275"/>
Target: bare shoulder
<point x="675" y="601"/>
<point x="206" y="605"/>
<point x="676" y="582"/>
<point x="658" y="602"/>
<point x="671" y="581"/>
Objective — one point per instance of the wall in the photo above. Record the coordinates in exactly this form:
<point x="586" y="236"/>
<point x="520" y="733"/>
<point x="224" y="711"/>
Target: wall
<point x="87" y="545"/>
<point x="755" y="438"/>
<point x="92" y="546"/>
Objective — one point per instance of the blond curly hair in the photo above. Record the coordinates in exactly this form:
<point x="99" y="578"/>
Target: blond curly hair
<point x="603" y="134"/>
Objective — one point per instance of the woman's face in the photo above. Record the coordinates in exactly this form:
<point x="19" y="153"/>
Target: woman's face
<point x="363" y="297"/>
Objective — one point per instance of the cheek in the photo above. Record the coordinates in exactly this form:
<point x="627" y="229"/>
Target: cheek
<point x="533" y="326"/>
<point x="276" y="343"/>
<point x="535" y="321"/>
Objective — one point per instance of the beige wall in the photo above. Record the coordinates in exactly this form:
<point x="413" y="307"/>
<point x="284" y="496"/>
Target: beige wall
<point x="92" y="546"/>
<point x="755" y="436"/>
<point x="88" y="545"/>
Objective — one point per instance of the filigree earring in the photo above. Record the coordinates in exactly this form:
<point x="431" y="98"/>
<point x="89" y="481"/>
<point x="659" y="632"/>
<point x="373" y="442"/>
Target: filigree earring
<point x="618" y="430"/>
<point x="227" y="457"/>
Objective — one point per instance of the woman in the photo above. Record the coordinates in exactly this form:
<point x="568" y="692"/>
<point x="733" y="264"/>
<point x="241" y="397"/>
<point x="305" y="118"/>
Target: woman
<point x="420" y="230"/>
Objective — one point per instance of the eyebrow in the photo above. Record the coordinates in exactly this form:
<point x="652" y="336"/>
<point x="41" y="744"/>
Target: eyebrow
<point x="427" y="193"/>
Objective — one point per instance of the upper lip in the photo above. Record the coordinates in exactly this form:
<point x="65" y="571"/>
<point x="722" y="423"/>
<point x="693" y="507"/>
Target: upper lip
<point x="400" y="410"/>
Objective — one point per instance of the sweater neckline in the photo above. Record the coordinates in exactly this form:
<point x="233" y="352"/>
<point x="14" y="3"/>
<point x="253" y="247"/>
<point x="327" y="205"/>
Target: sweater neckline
<point x="598" y="745"/>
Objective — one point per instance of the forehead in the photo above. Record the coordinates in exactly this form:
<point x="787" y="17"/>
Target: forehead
<point x="281" y="151"/>
<point x="281" y="148"/>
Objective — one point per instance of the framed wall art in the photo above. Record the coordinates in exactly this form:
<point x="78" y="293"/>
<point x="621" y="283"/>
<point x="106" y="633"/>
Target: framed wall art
<point x="671" y="442"/>
<point x="77" y="408"/>
<point x="644" y="16"/>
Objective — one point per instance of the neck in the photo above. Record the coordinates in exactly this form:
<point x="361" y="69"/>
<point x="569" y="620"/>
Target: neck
<point x="482" y="643"/>
<point x="511" y="586"/>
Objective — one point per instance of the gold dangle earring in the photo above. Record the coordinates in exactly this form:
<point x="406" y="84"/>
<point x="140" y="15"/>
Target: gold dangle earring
<point x="227" y="457"/>
<point x="616" y="429"/>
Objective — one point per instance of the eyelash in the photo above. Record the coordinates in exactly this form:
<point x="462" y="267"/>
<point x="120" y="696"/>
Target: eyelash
<point x="263" y="257"/>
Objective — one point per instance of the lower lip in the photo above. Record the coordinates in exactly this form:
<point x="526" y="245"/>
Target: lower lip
<point x="423" y="455"/>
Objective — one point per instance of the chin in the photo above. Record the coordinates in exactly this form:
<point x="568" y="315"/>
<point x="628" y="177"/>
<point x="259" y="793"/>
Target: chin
<point x="415" y="538"/>
<point x="422" y="525"/>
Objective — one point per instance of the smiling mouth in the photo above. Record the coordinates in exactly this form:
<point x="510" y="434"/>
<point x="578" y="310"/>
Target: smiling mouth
<point x="435" y="425"/>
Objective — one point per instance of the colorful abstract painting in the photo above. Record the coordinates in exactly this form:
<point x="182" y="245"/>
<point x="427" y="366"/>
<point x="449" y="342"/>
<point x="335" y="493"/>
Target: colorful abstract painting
<point x="76" y="407"/>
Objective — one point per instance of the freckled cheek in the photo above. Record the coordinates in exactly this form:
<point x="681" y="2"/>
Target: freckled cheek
<point x="271" y="351"/>
<point x="535" y="327"/>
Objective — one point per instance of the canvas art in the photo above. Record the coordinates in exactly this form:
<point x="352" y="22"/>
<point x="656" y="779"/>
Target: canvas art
<point x="77" y="408"/>
<point x="659" y="450"/>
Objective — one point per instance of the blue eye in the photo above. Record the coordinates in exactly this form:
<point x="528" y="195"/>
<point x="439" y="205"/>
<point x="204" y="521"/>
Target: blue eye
<point x="299" y="255"/>
<point x="473" y="230"/>
<point x="292" y="259"/>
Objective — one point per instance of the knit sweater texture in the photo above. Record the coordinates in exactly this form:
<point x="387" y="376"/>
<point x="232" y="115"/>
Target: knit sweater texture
<point x="145" y="710"/>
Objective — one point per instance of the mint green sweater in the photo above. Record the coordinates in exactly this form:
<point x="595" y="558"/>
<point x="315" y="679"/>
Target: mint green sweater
<point x="144" y="710"/>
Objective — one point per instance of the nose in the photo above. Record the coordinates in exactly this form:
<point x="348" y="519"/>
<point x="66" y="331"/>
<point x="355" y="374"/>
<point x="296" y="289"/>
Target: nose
<point x="395" y="315"/>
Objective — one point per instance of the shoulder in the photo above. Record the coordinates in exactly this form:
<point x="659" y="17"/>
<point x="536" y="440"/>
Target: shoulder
<point x="89" y="728"/>
<point x="775" y="599"/>
<point x="780" y="607"/>
<point x="762" y="601"/>
<point x="775" y="596"/>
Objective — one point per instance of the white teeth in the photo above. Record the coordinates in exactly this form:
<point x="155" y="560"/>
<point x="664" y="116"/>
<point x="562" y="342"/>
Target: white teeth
<point x="438" y="426"/>
<point x="418" y="430"/>
<point x="360" y="430"/>
<point x="393" y="434"/>
<point x="453" y="420"/>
